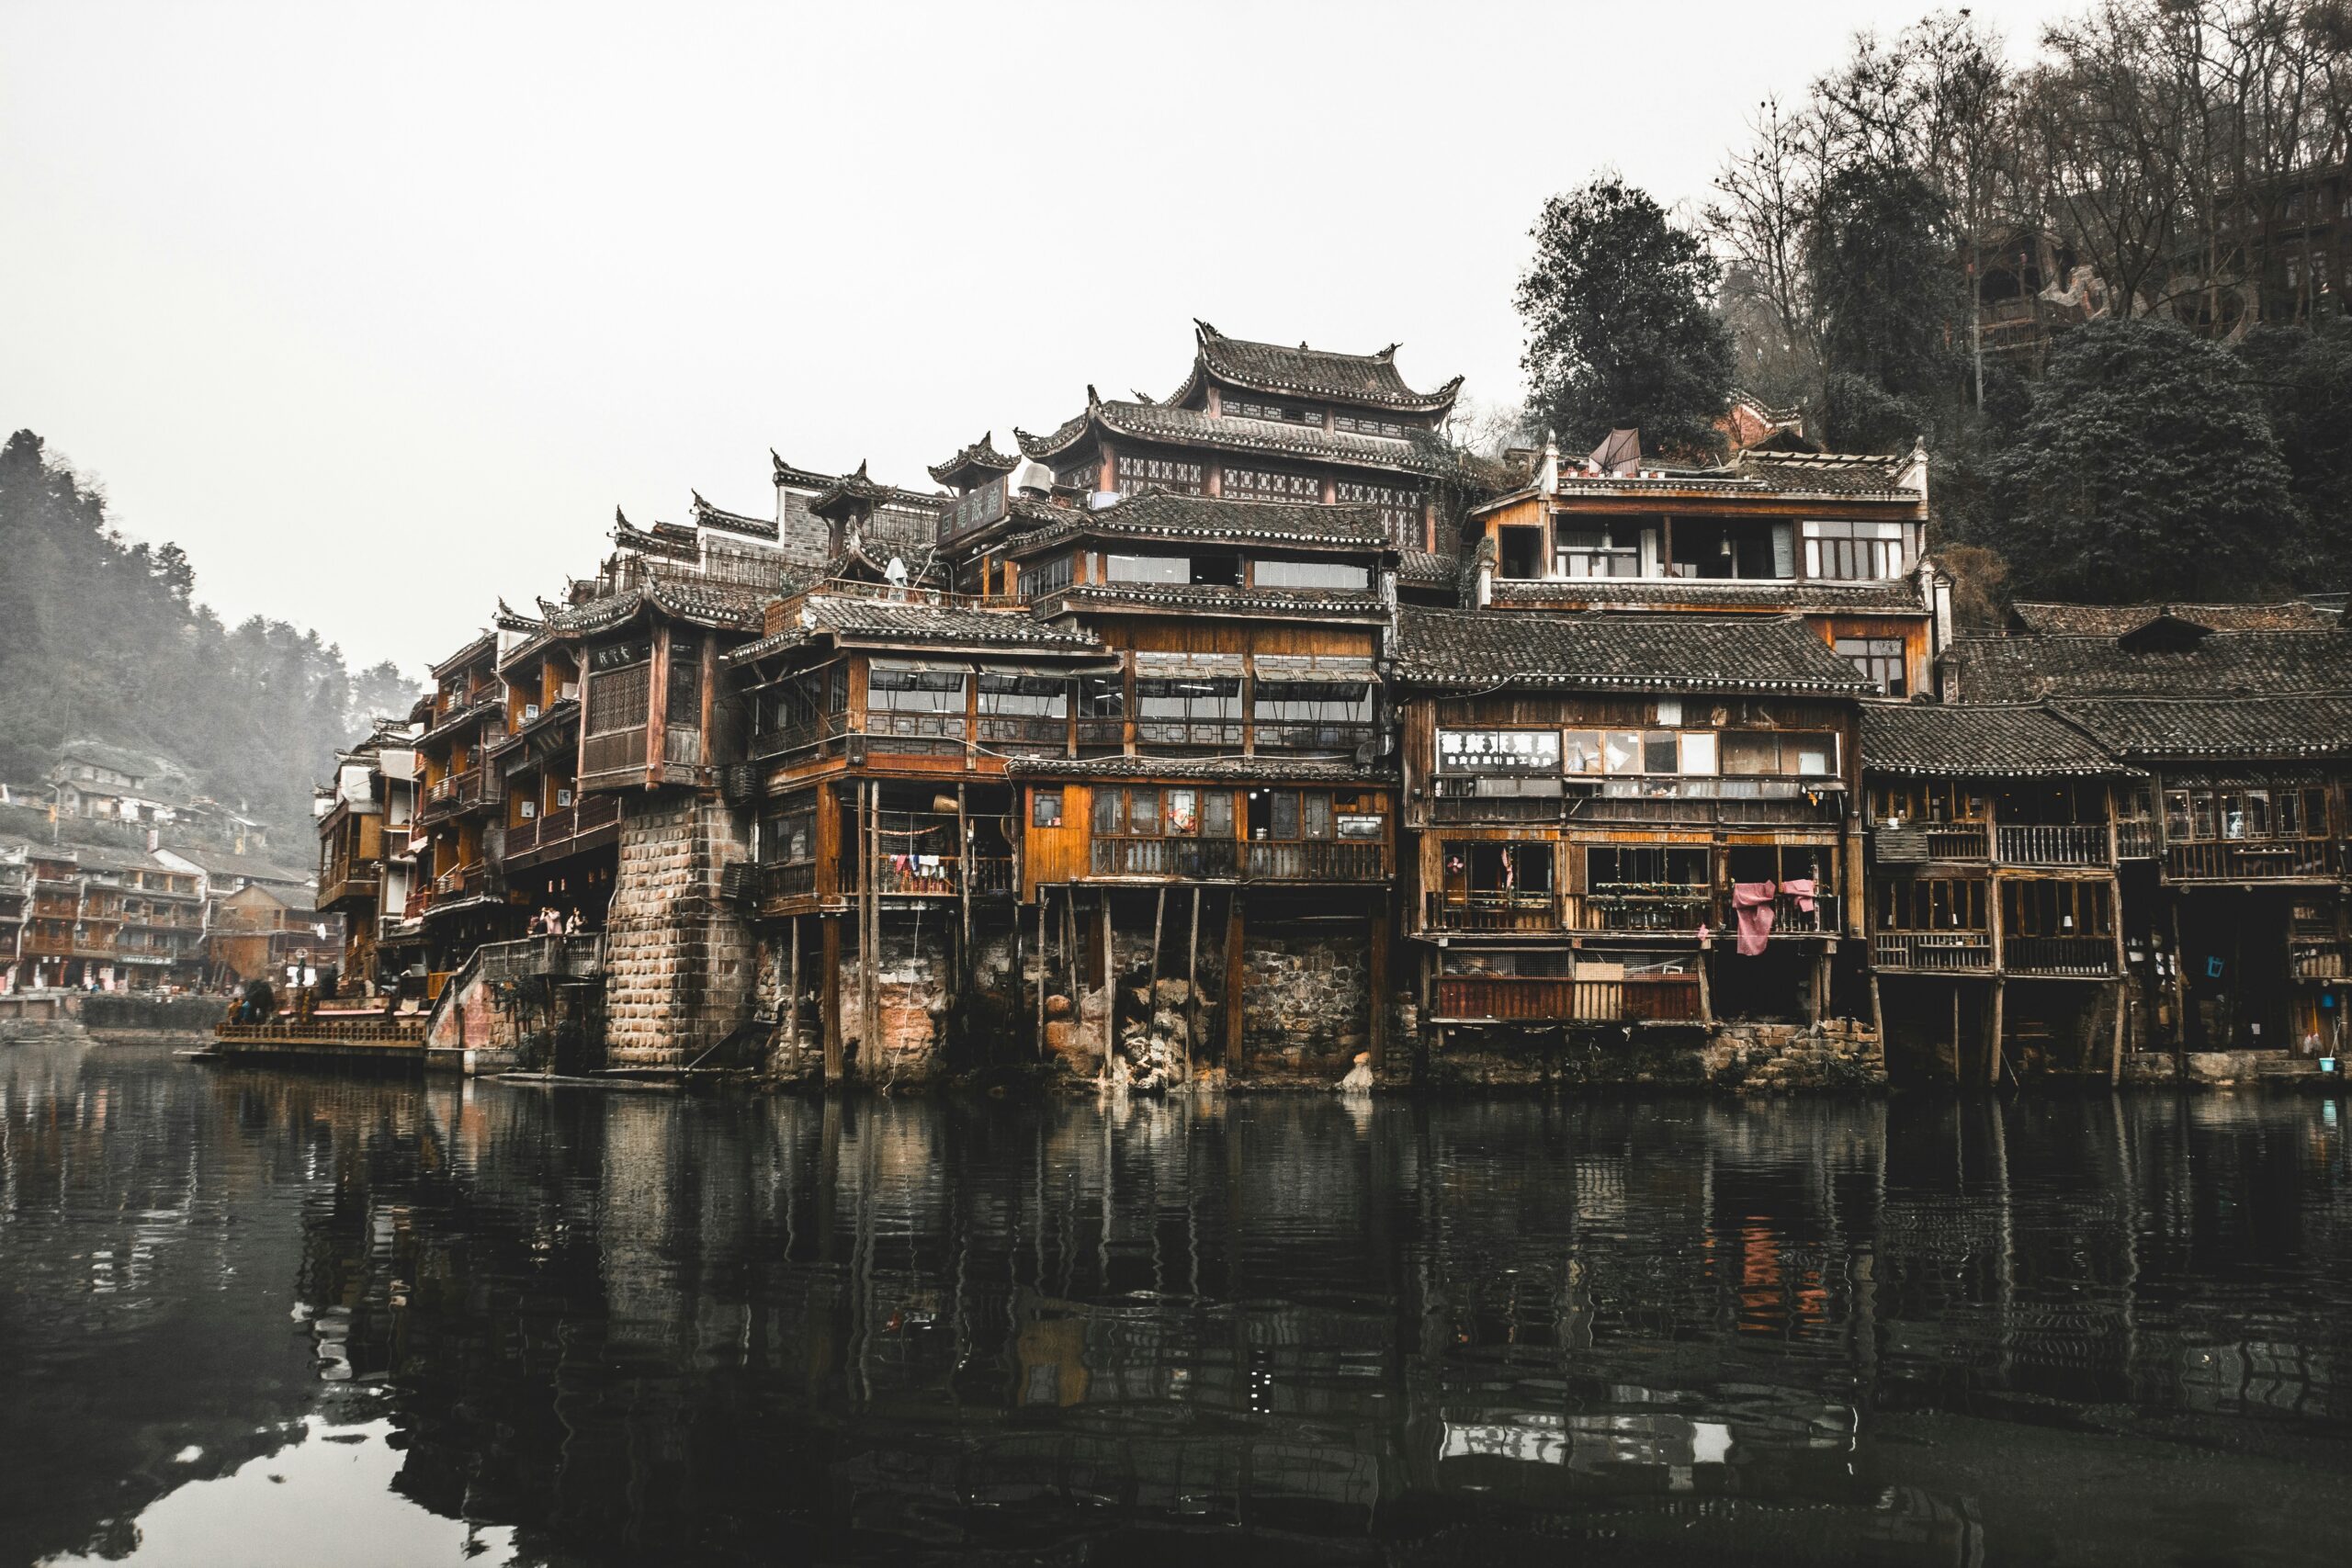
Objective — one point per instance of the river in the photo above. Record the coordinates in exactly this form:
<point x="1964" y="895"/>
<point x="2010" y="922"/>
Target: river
<point x="260" y="1318"/>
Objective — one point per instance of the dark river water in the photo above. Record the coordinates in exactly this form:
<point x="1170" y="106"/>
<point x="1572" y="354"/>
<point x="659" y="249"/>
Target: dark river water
<point x="250" y="1318"/>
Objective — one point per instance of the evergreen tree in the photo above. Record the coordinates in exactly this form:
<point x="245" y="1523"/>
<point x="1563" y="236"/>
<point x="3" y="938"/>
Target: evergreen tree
<point x="1885" y="262"/>
<point x="2304" y="380"/>
<point x="1621" y="328"/>
<point x="2145" y="470"/>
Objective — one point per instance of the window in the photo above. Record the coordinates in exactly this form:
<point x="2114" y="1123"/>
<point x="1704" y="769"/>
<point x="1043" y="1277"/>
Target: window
<point x="1853" y="552"/>
<point x="1269" y="484"/>
<point x="1234" y="407"/>
<point x="1283" y="812"/>
<point x="1188" y="711"/>
<point x="1332" y="715"/>
<point x="1497" y="750"/>
<point x="1049" y="576"/>
<point x="1143" y="812"/>
<point x="1614" y="551"/>
<point x="1337" y="575"/>
<point x="1314" y="815"/>
<point x="788" y="837"/>
<point x="1110" y="810"/>
<point x="1697" y="752"/>
<point x="1102" y="710"/>
<point x="1082" y="477"/>
<point x="1208" y="571"/>
<point x="1183" y="811"/>
<point x="1137" y="474"/>
<point x="1045" y="809"/>
<point x="910" y="700"/>
<point x="1520" y="552"/>
<point x="2233" y="814"/>
<point x="1149" y="811"/>
<point x="1217" y="814"/>
<point x="617" y="699"/>
<point x="684" y="707"/>
<point x="1879" y="658"/>
<point x="1752" y="752"/>
<point x="1369" y="425"/>
<point x="1023" y="707"/>
<point x="1401" y="509"/>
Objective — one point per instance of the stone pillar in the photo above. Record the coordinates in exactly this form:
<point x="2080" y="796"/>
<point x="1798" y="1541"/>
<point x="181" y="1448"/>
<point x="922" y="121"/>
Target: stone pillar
<point x="678" y="961"/>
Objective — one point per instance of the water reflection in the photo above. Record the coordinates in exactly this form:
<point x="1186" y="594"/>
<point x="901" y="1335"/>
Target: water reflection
<point x="586" y="1327"/>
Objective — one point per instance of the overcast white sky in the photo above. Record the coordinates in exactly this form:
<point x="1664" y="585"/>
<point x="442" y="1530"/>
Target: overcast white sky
<point x="380" y="311"/>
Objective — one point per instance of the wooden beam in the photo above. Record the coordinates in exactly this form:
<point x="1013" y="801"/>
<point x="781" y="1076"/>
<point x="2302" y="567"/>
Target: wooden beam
<point x="792" y="991"/>
<point x="1044" y="981"/>
<point x="1376" y="969"/>
<point x="964" y="885"/>
<point x="1193" y="983"/>
<point x="1110" y="983"/>
<point x="2115" y="1050"/>
<point x="1151" y="964"/>
<point x="1993" y="1046"/>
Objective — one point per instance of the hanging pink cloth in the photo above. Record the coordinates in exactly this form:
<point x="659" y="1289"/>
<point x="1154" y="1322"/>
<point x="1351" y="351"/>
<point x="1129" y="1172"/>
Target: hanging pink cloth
<point x="1751" y="905"/>
<point x="1801" y="889"/>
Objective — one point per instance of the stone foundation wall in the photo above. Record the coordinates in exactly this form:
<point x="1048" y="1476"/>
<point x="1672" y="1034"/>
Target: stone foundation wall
<point x="678" y="961"/>
<point x="1305" y="1007"/>
<point x="1839" y="1054"/>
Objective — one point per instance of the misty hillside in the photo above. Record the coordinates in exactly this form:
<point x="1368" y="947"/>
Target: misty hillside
<point x="101" y="638"/>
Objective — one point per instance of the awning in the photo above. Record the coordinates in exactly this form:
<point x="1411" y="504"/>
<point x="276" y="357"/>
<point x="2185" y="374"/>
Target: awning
<point x="920" y="666"/>
<point x="397" y="762"/>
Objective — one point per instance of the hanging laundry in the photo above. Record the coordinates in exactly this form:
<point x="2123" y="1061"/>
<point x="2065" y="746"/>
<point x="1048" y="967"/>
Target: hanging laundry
<point x="1751" y="904"/>
<point x="1801" y="889"/>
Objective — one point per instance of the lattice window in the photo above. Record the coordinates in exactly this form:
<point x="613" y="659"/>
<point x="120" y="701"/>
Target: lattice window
<point x="1257" y="408"/>
<point x="1139" y="473"/>
<point x="617" y="699"/>
<point x="1369" y="425"/>
<point x="1400" y="508"/>
<point x="1269" y="484"/>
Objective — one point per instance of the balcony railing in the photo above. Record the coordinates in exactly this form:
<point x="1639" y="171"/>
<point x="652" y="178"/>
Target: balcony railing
<point x="1227" y="860"/>
<point x="1279" y="737"/>
<point x="2082" y="844"/>
<point x="1216" y="860"/>
<point x="621" y="752"/>
<point x="1788" y="915"/>
<point x="1543" y="999"/>
<point x="2078" y="957"/>
<point x="820" y="738"/>
<point x="2253" y="859"/>
<point x="469" y="882"/>
<point x="2324" y="960"/>
<point x="779" y="881"/>
<point x="1494" y="913"/>
<point x="1314" y="859"/>
<point x="1641" y="907"/>
<point x="1934" y="951"/>
<point x="2135" y="840"/>
<point x="551" y="836"/>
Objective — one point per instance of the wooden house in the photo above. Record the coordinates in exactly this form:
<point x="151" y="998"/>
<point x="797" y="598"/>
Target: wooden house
<point x="463" y="718"/>
<point x="1996" y="836"/>
<point x="1840" y="541"/>
<point x="558" y="845"/>
<point x="1233" y="741"/>
<point x="1265" y="421"/>
<point x="1622" y="820"/>
<point x="880" y="723"/>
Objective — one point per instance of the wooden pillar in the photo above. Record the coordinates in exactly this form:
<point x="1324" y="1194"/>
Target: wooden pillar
<point x="1878" y="1019"/>
<point x="1377" y="968"/>
<point x="963" y="888"/>
<point x="1959" y="1069"/>
<point x="1813" y="990"/>
<point x="1151" y="964"/>
<point x="1993" y="1044"/>
<point x="1233" y="983"/>
<point x="1110" y="984"/>
<point x="1044" y="980"/>
<point x="2179" y="988"/>
<point x="2115" y="1050"/>
<point x="1705" y="963"/>
<point x="792" y="991"/>
<point x="829" y="979"/>
<point x="1193" y="983"/>
<point x="869" y="927"/>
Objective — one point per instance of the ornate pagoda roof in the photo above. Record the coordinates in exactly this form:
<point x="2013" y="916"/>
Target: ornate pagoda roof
<point x="710" y="516"/>
<point x="1364" y="379"/>
<point x="1421" y="452"/>
<point x="1163" y="514"/>
<point x="975" y="464"/>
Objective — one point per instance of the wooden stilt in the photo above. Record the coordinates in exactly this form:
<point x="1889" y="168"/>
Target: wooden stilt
<point x="1045" y="981"/>
<point x="829" y="980"/>
<point x="1706" y="988"/>
<point x="869" y="936"/>
<point x="1193" y="983"/>
<point x="1376" y="969"/>
<point x="1993" y="1044"/>
<point x="963" y="888"/>
<point x="1233" y="982"/>
<point x="1110" y="987"/>
<point x="2115" y="1052"/>
<point x="1959" y="1069"/>
<point x="1878" y="1019"/>
<point x="792" y="991"/>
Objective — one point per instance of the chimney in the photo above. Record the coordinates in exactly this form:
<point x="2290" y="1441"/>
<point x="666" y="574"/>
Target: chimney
<point x="1547" y="472"/>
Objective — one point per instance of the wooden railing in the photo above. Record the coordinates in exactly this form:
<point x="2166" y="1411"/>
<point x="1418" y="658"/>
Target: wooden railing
<point x="622" y="751"/>
<point x="1543" y="999"/>
<point x="2253" y="859"/>
<point x="1315" y="860"/>
<point x="2135" y="840"/>
<point x="1273" y="736"/>
<point x="1211" y="859"/>
<point x="467" y="882"/>
<point x="1789" y="916"/>
<point x="2069" y="955"/>
<point x="1940" y="951"/>
<point x="1641" y="907"/>
<point x="1955" y="841"/>
<point x="823" y="736"/>
<point x="551" y="835"/>
<point x="2322" y="961"/>
<point x="778" y="881"/>
<point x="1479" y="911"/>
<point x="2082" y="844"/>
<point x="1227" y="860"/>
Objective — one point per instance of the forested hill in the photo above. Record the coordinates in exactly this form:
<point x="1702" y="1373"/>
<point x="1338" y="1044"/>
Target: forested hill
<point x="101" y="638"/>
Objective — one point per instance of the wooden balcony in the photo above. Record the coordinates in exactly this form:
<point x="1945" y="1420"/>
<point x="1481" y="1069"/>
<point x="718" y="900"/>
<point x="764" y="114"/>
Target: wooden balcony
<point x="476" y="881"/>
<point x="567" y="831"/>
<point x="2254" y="860"/>
<point x="2320" y="961"/>
<point x="459" y="792"/>
<point x="1495" y="913"/>
<point x="2082" y="844"/>
<point x="346" y="879"/>
<point x="2066" y="957"/>
<point x="2135" y="840"/>
<point x="1641" y="907"/>
<point x="1933" y="952"/>
<point x="783" y="884"/>
<point x="1229" y="860"/>
<point x="1921" y="841"/>
<point x="1543" y="999"/>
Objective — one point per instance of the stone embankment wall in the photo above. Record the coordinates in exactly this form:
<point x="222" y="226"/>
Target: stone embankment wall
<point x="1744" y="1057"/>
<point x="678" y="958"/>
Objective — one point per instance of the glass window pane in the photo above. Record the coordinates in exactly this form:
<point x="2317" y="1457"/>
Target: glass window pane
<point x="1583" y="755"/>
<point x="1106" y="810"/>
<point x="1658" y="751"/>
<point x="1697" y="752"/>
<point x="2200" y="809"/>
<point x="1751" y="751"/>
<point x="1143" y="811"/>
<point x="1217" y="814"/>
<point x="1318" y="815"/>
<point x="1286" y="814"/>
<point x="1622" y="748"/>
<point x="2177" y="825"/>
<point x="1045" y="808"/>
<point x="1183" y="811"/>
<point x="2258" y="814"/>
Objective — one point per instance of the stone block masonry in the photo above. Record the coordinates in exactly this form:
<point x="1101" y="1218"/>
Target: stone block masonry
<point x="679" y="963"/>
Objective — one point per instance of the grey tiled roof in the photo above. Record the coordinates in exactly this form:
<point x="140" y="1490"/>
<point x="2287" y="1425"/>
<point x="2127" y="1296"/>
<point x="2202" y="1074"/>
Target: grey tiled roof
<point x="2023" y="668"/>
<point x="1987" y="740"/>
<point x="1828" y="473"/>
<point x="1424" y="452"/>
<point x="1458" y="648"/>
<point x="716" y="604"/>
<point x="711" y="516"/>
<point x="1900" y="597"/>
<point x="2193" y="726"/>
<point x="980" y="455"/>
<point x="1164" y="516"/>
<point x="1207" y="598"/>
<point x="2114" y="620"/>
<point x="876" y="620"/>
<point x="1425" y="569"/>
<point x="480" y="647"/>
<point x="1364" y="378"/>
<point x="1205" y="769"/>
